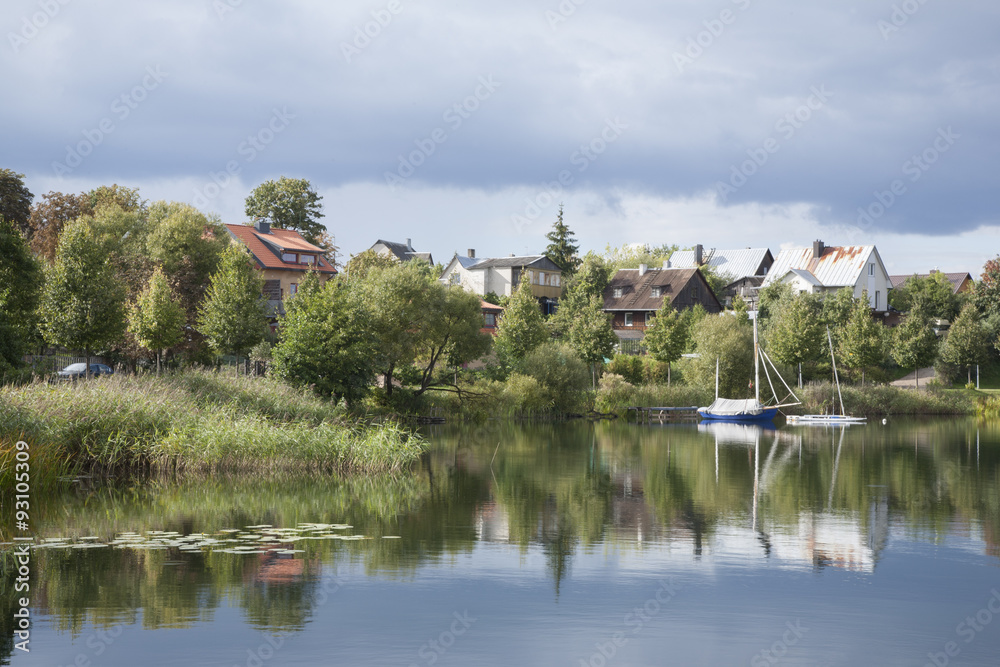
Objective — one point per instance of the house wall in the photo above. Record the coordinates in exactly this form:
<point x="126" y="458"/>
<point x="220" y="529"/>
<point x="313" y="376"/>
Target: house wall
<point x="498" y="280"/>
<point x="286" y="278"/>
<point x="874" y="279"/>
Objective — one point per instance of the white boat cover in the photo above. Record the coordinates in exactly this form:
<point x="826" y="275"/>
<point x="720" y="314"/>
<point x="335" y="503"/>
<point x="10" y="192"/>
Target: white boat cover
<point x="731" y="407"/>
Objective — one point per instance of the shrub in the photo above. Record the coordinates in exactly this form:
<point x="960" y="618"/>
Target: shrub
<point x="560" y="371"/>
<point x="628" y="366"/>
<point x="524" y="396"/>
<point x="656" y="372"/>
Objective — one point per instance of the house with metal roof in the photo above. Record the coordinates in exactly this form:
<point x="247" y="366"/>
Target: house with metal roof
<point x="633" y="296"/>
<point x="960" y="282"/>
<point x="501" y="276"/>
<point x="824" y="269"/>
<point x="284" y="257"/>
<point x="744" y="269"/>
<point x="404" y="252"/>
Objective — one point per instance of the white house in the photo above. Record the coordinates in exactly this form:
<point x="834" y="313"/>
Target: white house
<point x="822" y="269"/>
<point x="500" y="276"/>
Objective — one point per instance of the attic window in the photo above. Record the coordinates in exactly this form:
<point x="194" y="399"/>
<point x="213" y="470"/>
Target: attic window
<point x="656" y="291"/>
<point x="618" y="292"/>
<point x="290" y="257"/>
<point x="307" y="259"/>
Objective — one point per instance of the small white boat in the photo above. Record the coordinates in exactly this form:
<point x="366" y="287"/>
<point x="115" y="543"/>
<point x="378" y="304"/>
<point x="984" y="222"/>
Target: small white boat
<point x="833" y="418"/>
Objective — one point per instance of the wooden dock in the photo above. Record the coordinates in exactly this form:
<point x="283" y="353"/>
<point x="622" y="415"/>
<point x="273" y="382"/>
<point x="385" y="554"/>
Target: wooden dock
<point x="664" y="414"/>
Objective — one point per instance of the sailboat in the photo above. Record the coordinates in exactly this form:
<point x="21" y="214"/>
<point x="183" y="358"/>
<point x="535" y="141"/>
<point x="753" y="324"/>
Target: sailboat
<point x="750" y="409"/>
<point x="832" y="418"/>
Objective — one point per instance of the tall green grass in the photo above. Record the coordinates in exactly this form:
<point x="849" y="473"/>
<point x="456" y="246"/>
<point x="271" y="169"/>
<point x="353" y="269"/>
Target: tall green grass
<point x="879" y="399"/>
<point x="194" y="420"/>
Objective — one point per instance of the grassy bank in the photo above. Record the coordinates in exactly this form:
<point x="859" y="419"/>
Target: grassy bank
<point x="197" y="420"/>
<point x="880" y="400"/>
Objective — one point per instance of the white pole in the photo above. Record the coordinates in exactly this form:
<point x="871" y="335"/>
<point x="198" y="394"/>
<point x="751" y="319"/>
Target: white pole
<point x="977" y="377"/>
<point x="756" y="364"/>
<point x="716" y="378"/>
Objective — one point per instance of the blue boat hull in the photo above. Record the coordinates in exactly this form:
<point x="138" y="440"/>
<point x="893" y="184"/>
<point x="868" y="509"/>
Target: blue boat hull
<point x="767" y="415"/>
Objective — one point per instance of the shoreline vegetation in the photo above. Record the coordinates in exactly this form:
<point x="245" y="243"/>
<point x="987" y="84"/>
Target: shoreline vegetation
<point x="191" y="422"/>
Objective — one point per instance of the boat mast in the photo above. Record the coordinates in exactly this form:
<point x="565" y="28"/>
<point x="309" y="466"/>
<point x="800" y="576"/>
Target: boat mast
<point x="836" y="378"/>
<point x="716" y="378"/>
<point x="756" y="362"/>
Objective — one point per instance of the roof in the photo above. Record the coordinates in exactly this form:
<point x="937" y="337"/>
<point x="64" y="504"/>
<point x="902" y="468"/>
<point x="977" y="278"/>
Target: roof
<point x="736" y="263"/>
<point x="806" y="276"/>
<point x="956" y="279"/>
<point x="489" y="307"/>
<point x="266" y="248"/>
<point x="403" y="252"/>
<point x="838" y="266"/>
<point x="517" y="261"/>
<point x="637" y="289"/>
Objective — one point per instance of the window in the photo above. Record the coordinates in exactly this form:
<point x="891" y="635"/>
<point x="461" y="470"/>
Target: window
<point x="656" y="292"/>
<point x="491" y="320"/>
<point x="649" y="317"/>
<point x="618" y="292"/>
<point x="455" y="279"/>
<point x="555" y="280"/>
<point x="628" y="319"/>
<point x="307" y="259"/>
<point x="290" y="257"/>
<point x="541" y="277"/>
<point x="871" y="269"/>
<point x="694" y="292"/>
<point x="293" y="288"/>
<point x="877" y="293"/>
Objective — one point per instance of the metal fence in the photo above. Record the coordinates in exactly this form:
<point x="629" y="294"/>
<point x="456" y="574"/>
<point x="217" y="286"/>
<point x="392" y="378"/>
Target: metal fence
<point x="43" y="364"/>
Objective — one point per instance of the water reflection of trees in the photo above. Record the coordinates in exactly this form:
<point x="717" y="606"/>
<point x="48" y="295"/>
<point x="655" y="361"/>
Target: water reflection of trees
<point x="796" y="494"/>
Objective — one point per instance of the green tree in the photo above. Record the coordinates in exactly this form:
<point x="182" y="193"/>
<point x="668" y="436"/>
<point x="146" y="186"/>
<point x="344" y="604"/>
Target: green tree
<point x="559" y="370"/>
<point x="914" y="344"/>
<point x="591" y="335"/>
<point x="364" y="263"/>
<point x="15" y="201"/>
<point x="561" y="249"/>
<point x="325" y="342"/>
<point x="156" y="319"/>
<point x="521" y="329"/>
<point x="986" y="295"/>
<point x="83" y="305"/>
<point x="967" y="343"/>
<point x="125" y="198"/>
<point x="797" y="334"/>
<point x="453" y="333"/>
<point x="632" y="255"/>
<point x="181" y="237"/>
<point x="771" y="300"/>
<point x="288" y="203"/>
<point x="729" y="340"/>
<point x="837" y="309"/>
<point x="20" y="282"/>
<point x="233" y="317"/>
<point x="863" y="341"/>
<point x="589" y="282"/>
<point x="933" y="294"/>
<point x="667" y="338"/>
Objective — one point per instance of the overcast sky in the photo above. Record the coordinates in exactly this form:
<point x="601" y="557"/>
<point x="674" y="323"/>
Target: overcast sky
<point x="462" y="125"/>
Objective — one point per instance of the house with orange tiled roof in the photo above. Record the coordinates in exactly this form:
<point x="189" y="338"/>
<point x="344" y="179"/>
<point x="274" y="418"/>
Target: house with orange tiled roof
<point x="284" y="257"/>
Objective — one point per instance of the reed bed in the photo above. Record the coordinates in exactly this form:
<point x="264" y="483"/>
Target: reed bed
<point x="197" y="420"/>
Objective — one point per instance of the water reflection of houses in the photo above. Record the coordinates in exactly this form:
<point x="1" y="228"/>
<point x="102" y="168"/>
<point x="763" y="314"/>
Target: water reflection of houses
<point x="277" y="568"/>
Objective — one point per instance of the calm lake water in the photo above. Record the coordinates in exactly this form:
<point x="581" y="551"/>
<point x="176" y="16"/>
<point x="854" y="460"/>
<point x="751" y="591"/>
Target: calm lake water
<point x="565" y="544"/>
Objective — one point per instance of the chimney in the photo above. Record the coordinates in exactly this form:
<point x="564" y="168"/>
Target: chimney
<point x="643" y="268"/>
<point x="409" y="245"/>
<point x="698" y="253"/>
<point x="262" y="226"/>
<point x="666" y="263"/>
<point x="818" y="248"/>
<point x="472" y="253"/>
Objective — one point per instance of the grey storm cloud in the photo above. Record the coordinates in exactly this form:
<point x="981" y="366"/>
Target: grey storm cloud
<point x="878" y="109"/>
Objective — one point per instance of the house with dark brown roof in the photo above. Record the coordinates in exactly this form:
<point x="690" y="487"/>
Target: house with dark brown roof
<point x="634" y="295"/>
<point x="284" y="257"/>
<point x="960" y="282"/>
<point x="404" y="252"/>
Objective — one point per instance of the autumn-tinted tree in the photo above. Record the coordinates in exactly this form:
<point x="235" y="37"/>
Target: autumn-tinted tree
<point x="914" y="343"/>
<point x="522" y="328"/>
<point x="83" y="305"/>
<point x="667" y="338"/>
<point x="156" y="319"/>
<point x="967" y="343"/>
<point x="15" y="201"/>
<point x="561" y="249"/>
<point x="233" y="318"/>
<point x="20" y="282"/>
<point x="325" y="342"/>
<point x="863" y="341"/>
<point x="288" y="203"/>
<point x="987" y="292"/>
<point x="50" y="215"/>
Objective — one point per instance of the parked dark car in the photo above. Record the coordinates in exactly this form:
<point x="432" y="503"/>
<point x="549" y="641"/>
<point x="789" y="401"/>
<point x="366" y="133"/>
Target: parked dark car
<point x="80" y="370"/>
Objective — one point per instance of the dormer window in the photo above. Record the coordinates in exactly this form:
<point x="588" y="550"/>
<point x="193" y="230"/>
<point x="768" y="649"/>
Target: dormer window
<point x="290" y="257"/>
<point x="618" y="292"/>
<point x="657" y="292"/>
<point x="307" y="259"/>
